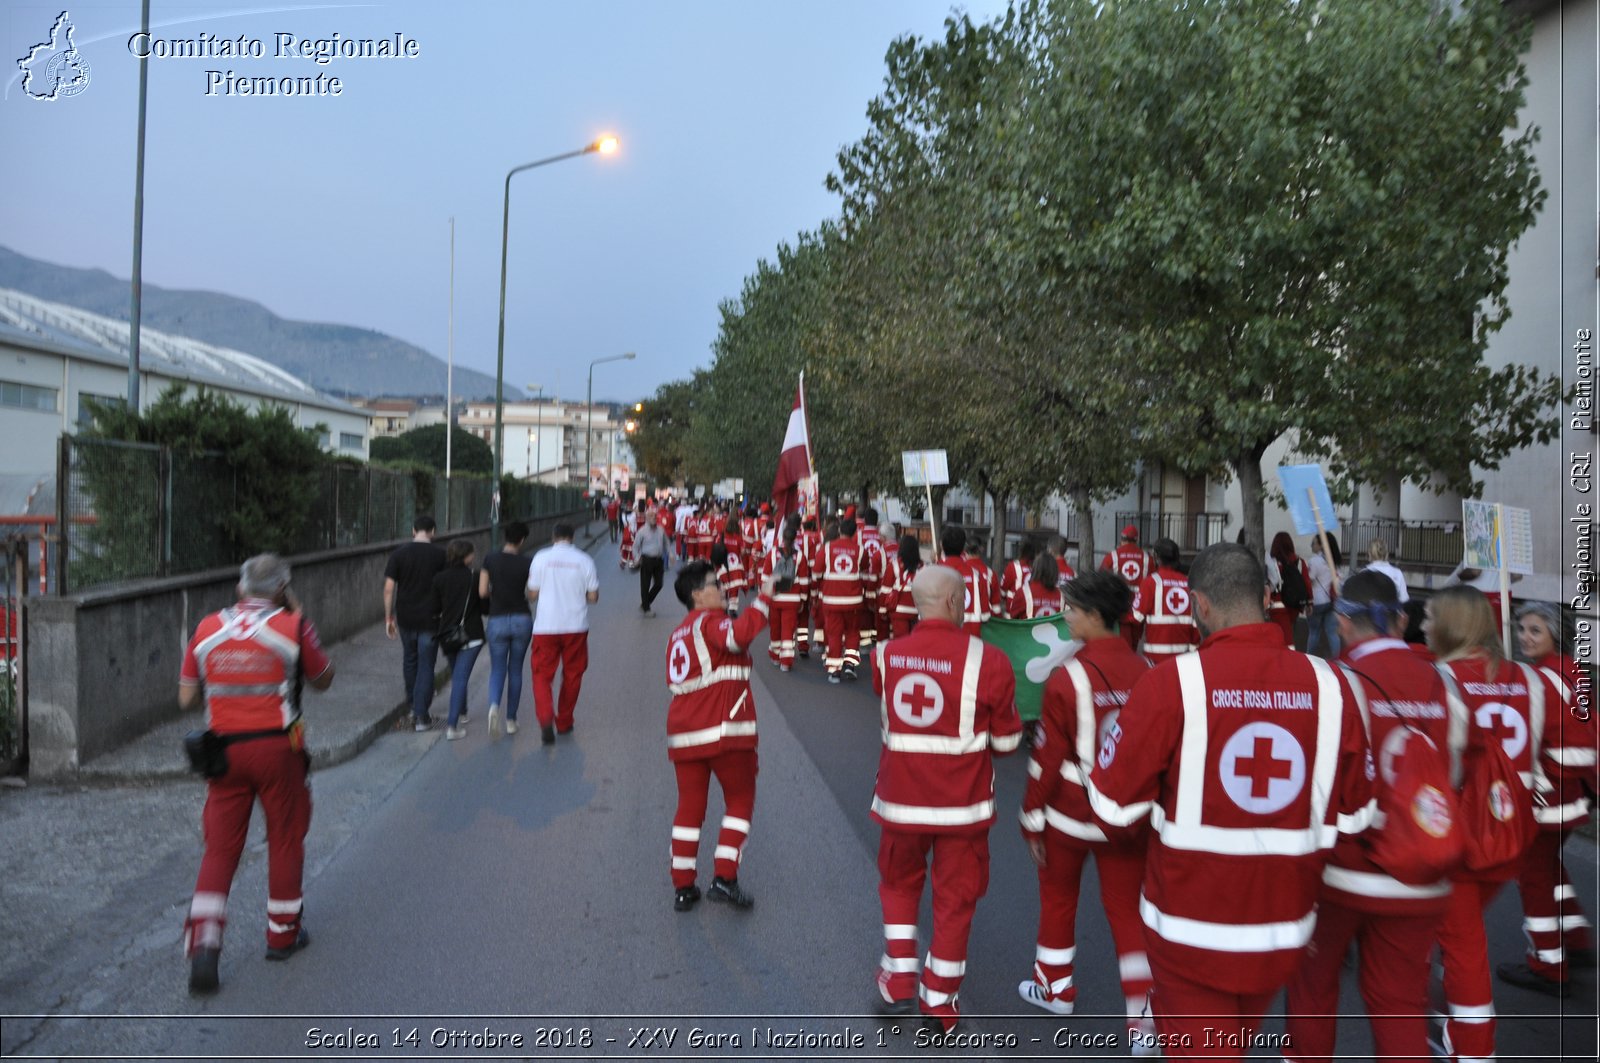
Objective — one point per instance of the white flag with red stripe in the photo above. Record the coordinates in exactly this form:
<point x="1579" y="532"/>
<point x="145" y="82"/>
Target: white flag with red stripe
<point x="794" y="461"/>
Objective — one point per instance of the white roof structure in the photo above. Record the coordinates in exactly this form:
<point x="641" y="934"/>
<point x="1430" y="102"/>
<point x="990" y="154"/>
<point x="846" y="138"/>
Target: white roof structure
<point x="83" y="334"/>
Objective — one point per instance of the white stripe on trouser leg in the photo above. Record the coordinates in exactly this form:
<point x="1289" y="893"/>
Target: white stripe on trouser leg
<point x="1556" y="955"/>
<point x="284" y="907"/>
<point x="933" y="998"/>
<point x="727" y="852"/>
<point x="1573" y="922"/>
<point x="208" y="906"/>
<point x="279" y="928"/>
<point x="1471" y="1014"/>
<point x="1134" y="966"/>
<point x="683" y="863"/>
<point x="735" y="823"/>
<point x="899" y="964"/>
<point x="1054" y="957"/>
<point x="1057" y="987"/>
<point x="1566" y="893"/>
<point x="900" y="931"/>
<point x="686" y="834"/>
<point x="1541" y="926"/>
<point x="946" y="968"/>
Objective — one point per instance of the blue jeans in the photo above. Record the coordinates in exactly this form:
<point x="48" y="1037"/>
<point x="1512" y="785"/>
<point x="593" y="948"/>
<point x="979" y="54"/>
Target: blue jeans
<point x="421" y="658"/>
<point x="1323" y="631"/>
<point x="460" y="672"/>
<point x="509" y="636"/>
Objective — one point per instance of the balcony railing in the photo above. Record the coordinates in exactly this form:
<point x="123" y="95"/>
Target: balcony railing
<point x="1434" y="543"/>
<point x="1191" y="531"/>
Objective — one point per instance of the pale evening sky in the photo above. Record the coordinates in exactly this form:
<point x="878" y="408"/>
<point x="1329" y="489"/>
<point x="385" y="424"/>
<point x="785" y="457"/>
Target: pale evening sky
<point x="337" y="209"/>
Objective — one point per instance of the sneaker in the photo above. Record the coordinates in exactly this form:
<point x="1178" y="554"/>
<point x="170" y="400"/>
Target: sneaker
<point x="451" y="734"/>
<point x="650" y="614"/>
<point x="511" y="726"/>
<point x="423" y="723"/>
<point x="1040" y="997"/>
<point x="833" y="677"/>
<point x="686" y="898"/>
<point x="461" y="720"/>
<point x="727" y="891"/>
<point x="849" y="671"/>
<point x="300" y="942"/>
<point x="1520" y="974"/>
<point x="494" y="723"/>
<point x="785" y="668"/>
<point x="547" y="734"/>
<point x="203" y="971"/>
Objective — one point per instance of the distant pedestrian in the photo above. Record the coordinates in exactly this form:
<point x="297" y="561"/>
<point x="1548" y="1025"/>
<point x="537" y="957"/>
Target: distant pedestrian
<point x="460" y="633"/>
<point x="1040" y="595"/>
<point x="247" y="663"/>
<point x="650" y="550"/>
<point x="948" y="706"/>
<point x="1322" y="637"/>
<point x="1290" y="580"/>
<point x="503" y="581"/>
<point x="614" y="516"/>
<point x="408" y="613"/>
<point x="711" y="730"/>
<point x="1378" y="561"/>
<point x="562" y="583"/>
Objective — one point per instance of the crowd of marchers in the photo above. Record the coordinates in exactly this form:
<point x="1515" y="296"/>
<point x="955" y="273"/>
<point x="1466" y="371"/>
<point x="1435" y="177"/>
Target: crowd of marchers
<point x="1253" y="811"/>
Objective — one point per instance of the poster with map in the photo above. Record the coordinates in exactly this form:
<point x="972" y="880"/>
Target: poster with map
<point x="1487" y="526"/>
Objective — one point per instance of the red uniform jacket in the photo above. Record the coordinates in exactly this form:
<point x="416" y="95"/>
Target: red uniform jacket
<point x="1404" y="697"/>
<point x="948" y="702"/>
<point x="840" y="573"/>
<point x="1249" y="760"/>
<point x="1576" y="749"/>
<point x="982" y="589"/>
<point x="1034" y="600"/>
<point x="1161" y="603"/>
<point x="797" y="594"/>
<point x="248" y="660"/>
<point x="873" y="563"/>
<point x="732" y="576"/>
<point x="1081" y="701"/>
<point x="1016" y="576"/>
<point x="708" y="672"/>
<point x="1129" y="562"/>
<point x="894" y="593"/>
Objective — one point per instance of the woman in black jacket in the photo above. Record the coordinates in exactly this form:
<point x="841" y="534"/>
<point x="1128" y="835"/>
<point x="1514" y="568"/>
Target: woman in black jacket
<point x="460" y="612"/>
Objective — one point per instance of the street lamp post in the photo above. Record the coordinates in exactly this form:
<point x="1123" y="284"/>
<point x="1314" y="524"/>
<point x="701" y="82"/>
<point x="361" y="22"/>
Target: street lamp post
<point x="605" y="145"/>
<point x="588" y="434"/>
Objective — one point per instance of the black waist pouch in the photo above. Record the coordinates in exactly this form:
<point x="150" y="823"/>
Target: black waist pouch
<point x="207" y="752"/>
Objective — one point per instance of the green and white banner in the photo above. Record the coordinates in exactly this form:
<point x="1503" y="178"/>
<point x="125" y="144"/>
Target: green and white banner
<point x="1036" y="648"/>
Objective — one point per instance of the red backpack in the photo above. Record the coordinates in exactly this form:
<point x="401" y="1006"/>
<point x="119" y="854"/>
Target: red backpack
<point x="1496" y="807"/>
<point x="1418" y="836"/>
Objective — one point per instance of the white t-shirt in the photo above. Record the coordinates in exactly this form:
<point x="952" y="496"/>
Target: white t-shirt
<point x="564" y="576"/>
<point x="1395" y="576"/>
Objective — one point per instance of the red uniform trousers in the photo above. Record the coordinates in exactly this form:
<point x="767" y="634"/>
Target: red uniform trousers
<point x="1394" y="951"/>
<point x="736" y="774"/>
<point x="1131" y="631"/>
<point x="802" y="628"/>
<point x="1284" y="617"/>
<point x="1195" y="1021"/>
<point x="1468" y="989"/>
<point x="571" y="651"/>
<point x="1551" y="915"/>
<point x="900" y="624"/>
<point x="844" y="638"/>
<point x="274" y="771"/>
<point x="1121" y="871"/>
<point x="960" y="877"/>
<point x="782" y="619"/>
<point x="868" y="619"/>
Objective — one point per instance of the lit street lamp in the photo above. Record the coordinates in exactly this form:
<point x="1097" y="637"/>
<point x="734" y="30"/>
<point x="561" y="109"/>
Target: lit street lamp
<point x="605" y="146"/>
<point x="588" y="434"/>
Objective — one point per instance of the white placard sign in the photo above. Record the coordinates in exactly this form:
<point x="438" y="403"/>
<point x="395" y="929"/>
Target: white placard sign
<point x="925" y="468"/>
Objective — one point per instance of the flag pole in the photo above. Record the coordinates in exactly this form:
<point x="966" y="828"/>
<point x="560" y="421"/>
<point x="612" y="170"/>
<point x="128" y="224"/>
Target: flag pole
<point x="805" y="426"/>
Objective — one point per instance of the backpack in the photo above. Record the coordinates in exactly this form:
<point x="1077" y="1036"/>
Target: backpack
<point x="1418" y="836"/>
<point x="1294" y="592"/>
<point x="1496" y="807"/>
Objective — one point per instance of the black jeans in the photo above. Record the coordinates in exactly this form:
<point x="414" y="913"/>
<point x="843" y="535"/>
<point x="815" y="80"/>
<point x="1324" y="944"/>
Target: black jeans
<point x="651" y="570"/>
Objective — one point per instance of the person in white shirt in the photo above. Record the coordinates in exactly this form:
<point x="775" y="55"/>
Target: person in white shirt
<point x="562" y="583"/>
<point x="1322" y="636"/>
<point x="1378" y="561"/>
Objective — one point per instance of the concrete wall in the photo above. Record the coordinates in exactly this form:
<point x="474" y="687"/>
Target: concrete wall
<point x="103" y="665"/>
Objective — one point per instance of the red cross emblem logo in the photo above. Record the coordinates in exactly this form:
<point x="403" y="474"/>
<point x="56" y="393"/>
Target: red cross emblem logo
<point x="918" y="700"/>
<point x="1131" y="569"/>
<point x="1262" y="768"/>
<point x="677" y="662"/>
<point x="1177" y="601"/>
<point x="1505" y="723"/>
<point x="843" y="563"/>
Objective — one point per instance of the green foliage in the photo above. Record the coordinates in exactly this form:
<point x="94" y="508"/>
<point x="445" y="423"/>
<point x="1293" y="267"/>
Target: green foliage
<point x="670" y="440"/>
<point x="426" y="445"/>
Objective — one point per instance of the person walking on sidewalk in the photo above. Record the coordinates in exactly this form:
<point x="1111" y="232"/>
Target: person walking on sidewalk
<point x="460" y="635"/>
<point x="407" y="613"/>
<point x="562" y="582"/>
<point x="711" y="730"/>
<point x="650" y="549"/>
<point x="503" y="580"/>
<point x="248" y="664"/>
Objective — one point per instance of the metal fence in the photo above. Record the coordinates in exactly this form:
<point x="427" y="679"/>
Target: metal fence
<point x="1436" y="543"/>
<point x="1191" y="531"/>
<point x="135" y="510"/>
<point x="13" y="588"/>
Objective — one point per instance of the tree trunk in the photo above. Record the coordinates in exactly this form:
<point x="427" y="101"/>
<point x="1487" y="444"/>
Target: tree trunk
<point x="1084" y="509"/>
<point x="997" y="534"/>
<point x="1247" y="467"/>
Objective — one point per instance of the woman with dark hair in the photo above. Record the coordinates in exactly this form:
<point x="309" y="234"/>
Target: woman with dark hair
<point x="1503" y="700"/>
<point x="894" y="595"/>
<point x="460" y="612"/>
<point x="1323" y="631"/>
<point x="1291" y="585"/>
<point x="503" y="583"/>
<point x="1041" y="595"/>
<point x="1079" y="699"/>
<point x="1549" y="902"/>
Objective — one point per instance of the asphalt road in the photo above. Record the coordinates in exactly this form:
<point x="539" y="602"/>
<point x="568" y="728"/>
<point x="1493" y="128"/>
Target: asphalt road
<point x="480" y="899"/>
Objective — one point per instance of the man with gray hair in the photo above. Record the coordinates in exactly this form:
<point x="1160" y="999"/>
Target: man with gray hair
<point x="1249" y="760"/>
<point x="247" y="663"/>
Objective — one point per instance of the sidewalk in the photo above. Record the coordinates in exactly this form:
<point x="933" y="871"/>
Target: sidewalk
<point x="363" y="703"/>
